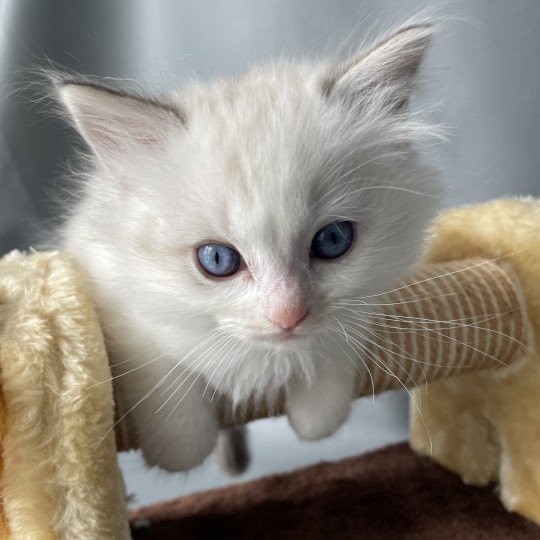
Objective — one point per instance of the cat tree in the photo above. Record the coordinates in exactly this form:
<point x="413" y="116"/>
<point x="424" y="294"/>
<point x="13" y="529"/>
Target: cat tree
<point x="466" y="317"/>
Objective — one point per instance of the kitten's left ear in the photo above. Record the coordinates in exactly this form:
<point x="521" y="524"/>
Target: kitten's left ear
<point x="386" y="73"/>
<point x="120" y="128"/>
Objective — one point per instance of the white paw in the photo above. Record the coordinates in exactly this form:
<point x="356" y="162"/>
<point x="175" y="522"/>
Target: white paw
<point x="177" y="436"/>
<point x="314" y="418"/>
<point x="182" y="448"/>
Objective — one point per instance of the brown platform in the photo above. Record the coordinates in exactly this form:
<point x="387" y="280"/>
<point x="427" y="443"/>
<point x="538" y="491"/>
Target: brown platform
<point x="390" y="494"/>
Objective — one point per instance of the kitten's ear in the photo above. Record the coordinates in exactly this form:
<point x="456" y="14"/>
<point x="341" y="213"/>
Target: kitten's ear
<point x="118" y="126"/>
<point x="386" y="73"/>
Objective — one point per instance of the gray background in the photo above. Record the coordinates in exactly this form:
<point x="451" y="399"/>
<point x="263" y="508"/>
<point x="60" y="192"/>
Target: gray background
<point x="483" y="75"/>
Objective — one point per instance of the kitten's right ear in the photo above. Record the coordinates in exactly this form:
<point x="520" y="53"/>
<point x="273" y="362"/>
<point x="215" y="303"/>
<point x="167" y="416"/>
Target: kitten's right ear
<point x="118" y="126"/>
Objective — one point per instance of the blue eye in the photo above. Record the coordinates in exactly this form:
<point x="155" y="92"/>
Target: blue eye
<point x="218" y="260"/>
<point x="333" y="240"/>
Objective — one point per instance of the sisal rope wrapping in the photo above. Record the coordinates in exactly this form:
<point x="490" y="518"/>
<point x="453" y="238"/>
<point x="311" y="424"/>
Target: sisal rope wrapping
<point x="439" y="321"/>
<point x="444" y="319"/>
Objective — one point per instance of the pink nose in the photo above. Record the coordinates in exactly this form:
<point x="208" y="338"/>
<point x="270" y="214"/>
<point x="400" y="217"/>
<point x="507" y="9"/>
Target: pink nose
<point x="288" y="319"/>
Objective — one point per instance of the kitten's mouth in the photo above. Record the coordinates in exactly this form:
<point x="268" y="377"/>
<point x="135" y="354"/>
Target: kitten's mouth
<point x="282" y="337"/>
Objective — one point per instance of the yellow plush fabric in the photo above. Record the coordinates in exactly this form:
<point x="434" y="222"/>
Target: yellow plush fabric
<point x="485" y="426"/>
<point x="60" y="476"/>
<point x="4" y="528"/>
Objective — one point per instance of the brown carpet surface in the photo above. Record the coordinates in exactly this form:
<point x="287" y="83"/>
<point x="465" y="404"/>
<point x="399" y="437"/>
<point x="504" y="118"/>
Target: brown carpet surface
<point x="390" y="494"/>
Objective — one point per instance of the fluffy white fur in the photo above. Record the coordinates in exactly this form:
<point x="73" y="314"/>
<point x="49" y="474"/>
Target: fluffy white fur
<point x="259" y="162"/>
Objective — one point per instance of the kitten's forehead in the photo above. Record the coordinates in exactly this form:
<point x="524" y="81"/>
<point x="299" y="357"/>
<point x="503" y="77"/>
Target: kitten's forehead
<point x="260" y="140"/>
<point x="262" y="92"/>
<point x="268" y="116"/>
<point x="275" y="227"/>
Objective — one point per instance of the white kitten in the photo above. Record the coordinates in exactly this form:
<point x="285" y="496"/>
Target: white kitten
<point x="227" y="227"/>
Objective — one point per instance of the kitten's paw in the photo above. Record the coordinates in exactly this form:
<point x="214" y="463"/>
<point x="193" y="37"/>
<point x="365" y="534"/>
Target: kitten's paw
<point x="313" y="417"/>
<point x="181" y="439"/>
<point x="183" y="450"/>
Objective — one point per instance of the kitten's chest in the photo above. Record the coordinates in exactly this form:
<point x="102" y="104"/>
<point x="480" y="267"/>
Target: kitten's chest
<point x="259" y="375"/>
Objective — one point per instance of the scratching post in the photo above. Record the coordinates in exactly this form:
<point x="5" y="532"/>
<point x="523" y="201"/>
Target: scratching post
<point x="444" y="319"/>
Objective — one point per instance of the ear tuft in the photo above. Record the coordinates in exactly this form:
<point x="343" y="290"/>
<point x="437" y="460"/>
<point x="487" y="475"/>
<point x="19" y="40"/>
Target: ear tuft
<point x="385" y="73"/>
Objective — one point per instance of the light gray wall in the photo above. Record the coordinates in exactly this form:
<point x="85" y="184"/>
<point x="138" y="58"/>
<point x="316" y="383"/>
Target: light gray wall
<point x="483" y="72"/>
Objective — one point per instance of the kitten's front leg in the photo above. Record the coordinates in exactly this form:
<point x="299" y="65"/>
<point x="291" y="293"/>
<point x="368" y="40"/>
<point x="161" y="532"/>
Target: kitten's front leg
<point x="318" y="409"/>
<point x="178" y="430"/>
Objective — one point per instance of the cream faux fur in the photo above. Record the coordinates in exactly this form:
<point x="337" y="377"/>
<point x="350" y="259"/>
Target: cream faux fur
<point x="485" y="426"/>
<point x="60" y="476"/>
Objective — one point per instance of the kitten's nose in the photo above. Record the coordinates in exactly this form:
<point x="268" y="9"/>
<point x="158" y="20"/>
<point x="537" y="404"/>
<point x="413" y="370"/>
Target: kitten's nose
<point x="288" y="319"/>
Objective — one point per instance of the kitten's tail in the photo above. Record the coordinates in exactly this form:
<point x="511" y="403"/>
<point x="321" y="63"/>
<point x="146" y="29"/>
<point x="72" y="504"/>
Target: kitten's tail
<point x="232" y="450"/>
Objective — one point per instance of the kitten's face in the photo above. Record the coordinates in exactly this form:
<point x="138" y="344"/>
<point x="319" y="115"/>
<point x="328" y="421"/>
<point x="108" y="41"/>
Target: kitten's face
<point x="255" y="169"/>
